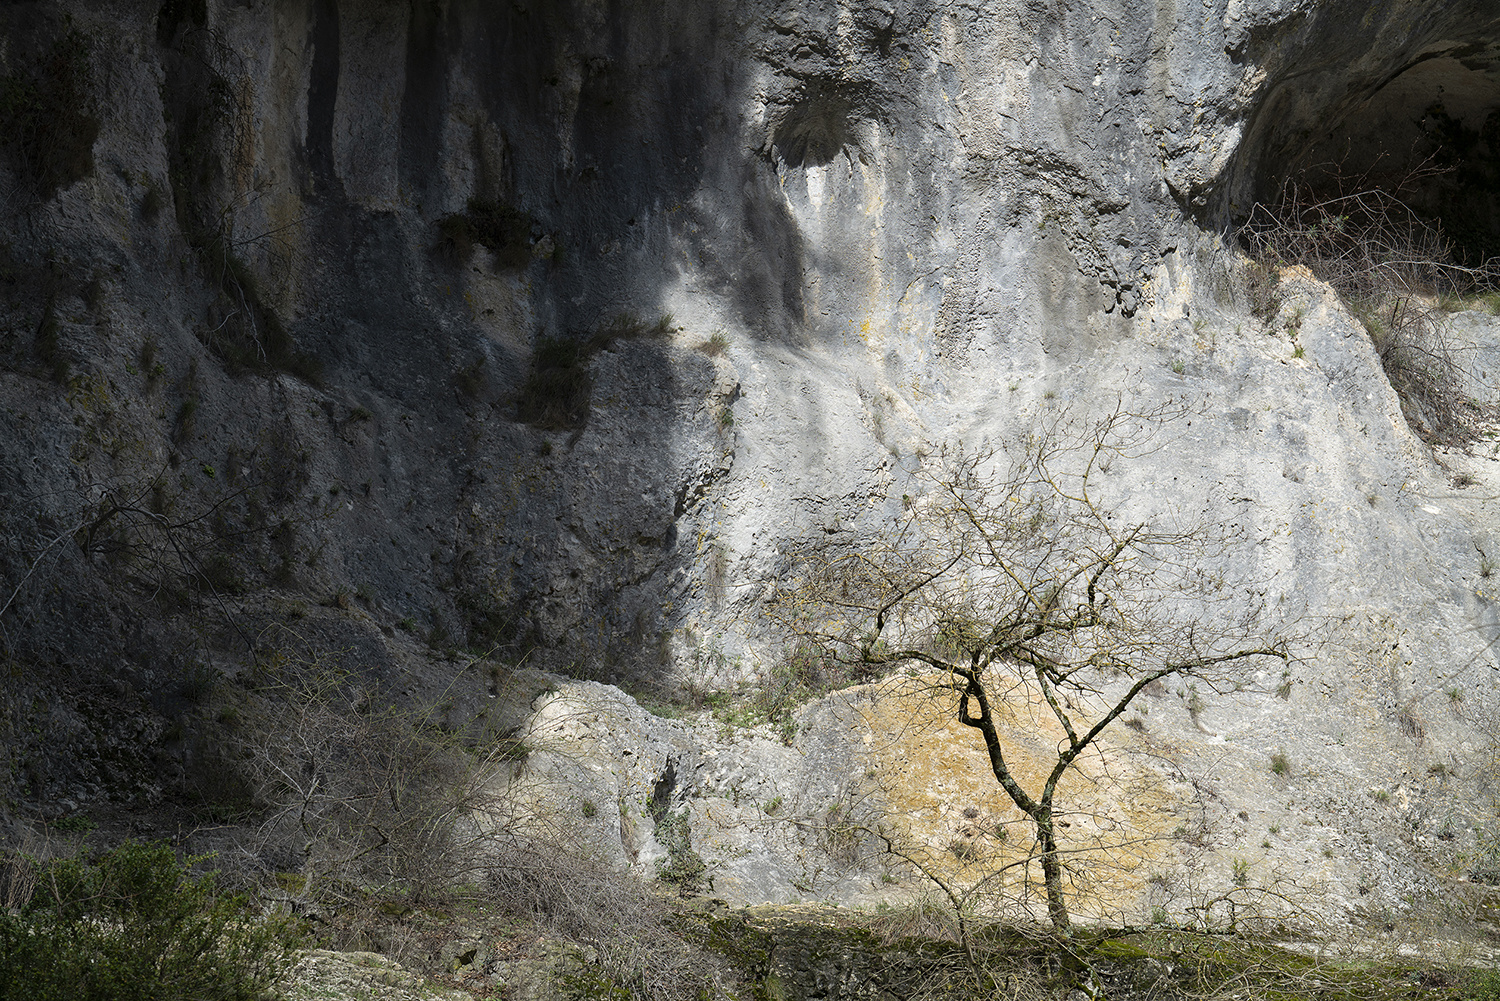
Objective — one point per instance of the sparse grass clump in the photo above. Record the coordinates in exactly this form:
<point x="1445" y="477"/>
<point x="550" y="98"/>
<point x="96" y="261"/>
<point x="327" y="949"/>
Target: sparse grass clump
<point x="716" y="345"/>
<point x="1484" y="302"/>
<point x="1280" y="763"/>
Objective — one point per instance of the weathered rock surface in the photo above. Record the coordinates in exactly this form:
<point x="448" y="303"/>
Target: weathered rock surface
<point x="251" y="363"/>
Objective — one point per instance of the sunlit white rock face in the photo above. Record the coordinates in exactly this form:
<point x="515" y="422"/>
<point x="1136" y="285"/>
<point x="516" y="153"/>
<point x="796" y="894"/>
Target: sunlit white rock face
<point x="877" y="227"/>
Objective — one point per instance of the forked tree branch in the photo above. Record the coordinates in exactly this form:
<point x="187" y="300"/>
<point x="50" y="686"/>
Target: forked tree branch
<point x="1012" y="572"/>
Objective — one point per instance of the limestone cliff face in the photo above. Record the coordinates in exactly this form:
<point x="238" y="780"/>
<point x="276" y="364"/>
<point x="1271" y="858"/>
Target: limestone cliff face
<point x="536" y="327"/>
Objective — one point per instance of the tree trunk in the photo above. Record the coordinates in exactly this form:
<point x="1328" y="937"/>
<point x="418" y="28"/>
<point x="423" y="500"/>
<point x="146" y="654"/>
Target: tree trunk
<point x="1057" y="908"/>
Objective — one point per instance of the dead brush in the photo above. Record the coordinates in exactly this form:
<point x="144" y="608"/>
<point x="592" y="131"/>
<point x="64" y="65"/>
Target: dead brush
<point x="1392" y="268"/>
<point x="18" y="879"/>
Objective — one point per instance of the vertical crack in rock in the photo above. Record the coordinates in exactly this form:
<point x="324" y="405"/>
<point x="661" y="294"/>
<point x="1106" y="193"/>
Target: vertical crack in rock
<point x="662" y="793"/>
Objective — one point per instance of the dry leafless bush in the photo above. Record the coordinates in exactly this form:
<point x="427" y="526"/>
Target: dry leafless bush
<point x="1393" y="268"/>
<point x="624" y="925"/>
<point x="362" y="802"/>
<point x="351" y="789"/>
<point x="18" y="876"/>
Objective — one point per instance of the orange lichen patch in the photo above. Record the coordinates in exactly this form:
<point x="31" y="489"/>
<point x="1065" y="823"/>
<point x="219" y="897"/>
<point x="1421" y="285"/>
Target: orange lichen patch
<point x="1118" y="810"/>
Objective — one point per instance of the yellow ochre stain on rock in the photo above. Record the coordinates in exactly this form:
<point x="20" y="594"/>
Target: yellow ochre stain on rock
<point x="1120" y="810"/>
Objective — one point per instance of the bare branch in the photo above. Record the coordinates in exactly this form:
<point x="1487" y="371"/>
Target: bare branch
<point x="1010" y="578"/>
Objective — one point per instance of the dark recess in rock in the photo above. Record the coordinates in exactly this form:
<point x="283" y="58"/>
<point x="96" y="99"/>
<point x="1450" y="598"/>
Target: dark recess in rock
<point x="820" y="125"/>
<point x="1408" y="104"/>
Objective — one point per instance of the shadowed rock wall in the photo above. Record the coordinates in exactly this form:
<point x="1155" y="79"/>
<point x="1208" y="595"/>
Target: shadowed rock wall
<point x="534" y="328"/>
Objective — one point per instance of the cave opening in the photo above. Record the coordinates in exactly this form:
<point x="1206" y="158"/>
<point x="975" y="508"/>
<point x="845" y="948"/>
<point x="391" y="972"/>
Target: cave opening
<point x="1421" y="135"/>
<point x="1430" y="137"/>
<point x="1374" y="161"/>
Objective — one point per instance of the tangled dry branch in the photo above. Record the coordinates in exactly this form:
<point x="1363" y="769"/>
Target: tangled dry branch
<point x="1394" y="269"/>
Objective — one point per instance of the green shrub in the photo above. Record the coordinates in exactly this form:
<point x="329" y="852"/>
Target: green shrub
<point x="455" y="238"/>
<point x="135" y="923"/>
<point x="1482" y="985"/>
<point x="592" y="985"/>
<point x="76" y="824"/>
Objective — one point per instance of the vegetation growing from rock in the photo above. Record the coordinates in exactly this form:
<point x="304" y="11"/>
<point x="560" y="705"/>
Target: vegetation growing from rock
<point x="558" y="387"/>
<point x="47" y="115"/>
<point x="1394" y="269"/>
<point x="205" y="131"/>
<point x="405" y="825"/>
<point x="555" y="396"/>
<point x="1016" y="580"/>
<point x="902" y="952"/>
<point x="499" y="228"/>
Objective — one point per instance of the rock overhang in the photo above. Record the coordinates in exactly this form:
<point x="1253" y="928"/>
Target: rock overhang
<point x="1400" y="97"/>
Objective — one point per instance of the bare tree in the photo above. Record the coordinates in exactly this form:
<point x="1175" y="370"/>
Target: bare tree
<point x="1013" y="579"/>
